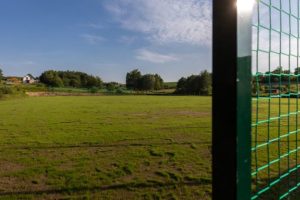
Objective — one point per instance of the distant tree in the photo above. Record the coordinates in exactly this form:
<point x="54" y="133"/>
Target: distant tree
<point x="286" y="77"/>
<point x="159" y="82"/>
<point x="1" y="75"/>
<point x="66" y="81"/>
<point x="274" y="78"/>
<point x="136" y="81"/>
<point x="74" y="83"/>
<point x="278" y="70"/>
<point x="205" y="83"/>
<point x="94" y="90"/>
<point x="92" y="81"/>
<point x="111" y="86"/>
<point x="297" y="70"/>
<point x="70" y="79"/>
<point x="51" y="78"/>
<point x="195" y="84"/>
<point x="181" y="85"/>
<point x="147" y="82"/>
<point x="132" y="79"/>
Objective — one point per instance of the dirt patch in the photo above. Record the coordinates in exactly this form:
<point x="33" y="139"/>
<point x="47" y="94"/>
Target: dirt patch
<point x="174" y="112"/>
<point x="192" y="113"/>
<point x="8" y="167"/>
<point x="13" y="184"/>
<point x="46" y="94"/>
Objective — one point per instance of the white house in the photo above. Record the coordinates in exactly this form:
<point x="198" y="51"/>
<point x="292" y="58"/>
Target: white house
<point x="29" y="79"/>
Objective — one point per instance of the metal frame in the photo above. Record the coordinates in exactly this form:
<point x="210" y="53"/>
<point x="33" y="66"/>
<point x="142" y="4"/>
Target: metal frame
<point x="231" y="102"/>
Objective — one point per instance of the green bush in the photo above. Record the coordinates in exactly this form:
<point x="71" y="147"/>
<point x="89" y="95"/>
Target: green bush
<point x="120" y="91"/>
<point x="94" y="90"/>
<point x="6" y="90"/>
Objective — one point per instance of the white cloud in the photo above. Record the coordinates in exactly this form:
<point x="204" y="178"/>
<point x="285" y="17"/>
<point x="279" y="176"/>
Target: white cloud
<point x="146" y="55"/>
<point x="166" y="21"/>
<point x="273" y="48"/>
<point x="92" y="39"/>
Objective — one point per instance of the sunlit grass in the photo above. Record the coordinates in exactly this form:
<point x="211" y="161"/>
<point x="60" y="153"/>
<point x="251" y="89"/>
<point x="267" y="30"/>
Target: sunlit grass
<point x="130" y="147"/>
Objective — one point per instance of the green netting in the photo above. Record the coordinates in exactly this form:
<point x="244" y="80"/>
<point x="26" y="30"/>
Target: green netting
<point x="275" y="119"/>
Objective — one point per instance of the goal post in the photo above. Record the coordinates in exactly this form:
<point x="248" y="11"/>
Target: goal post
<point x="232" y="99"/>
<point x="256" y="157"/>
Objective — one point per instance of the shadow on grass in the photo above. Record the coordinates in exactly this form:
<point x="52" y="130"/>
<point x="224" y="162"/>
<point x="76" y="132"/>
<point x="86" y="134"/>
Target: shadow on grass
<point x="117" y="145"/>
<point x="127" y="186"/>
<point x="286" y="187"/>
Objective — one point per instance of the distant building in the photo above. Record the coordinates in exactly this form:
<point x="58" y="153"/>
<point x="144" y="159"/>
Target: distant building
<point x="273" y="91"/>
<point x="12" y="80"/>
<point x="29" y="79"/>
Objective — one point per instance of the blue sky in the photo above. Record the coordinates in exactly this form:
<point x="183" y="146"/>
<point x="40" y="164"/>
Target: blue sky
<point x="106" y="37"/>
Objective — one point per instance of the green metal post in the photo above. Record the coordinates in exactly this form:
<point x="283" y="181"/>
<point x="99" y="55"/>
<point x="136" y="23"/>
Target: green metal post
<point x="245" y="12"/>
<point x="232" y="99"/>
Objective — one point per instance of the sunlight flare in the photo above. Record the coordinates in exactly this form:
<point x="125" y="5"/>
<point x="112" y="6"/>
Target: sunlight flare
<point x="245" y="5"/>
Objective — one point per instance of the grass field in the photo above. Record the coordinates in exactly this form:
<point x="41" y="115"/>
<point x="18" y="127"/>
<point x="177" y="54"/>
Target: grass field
<point x="277" y="147"/>
<point x="131" y="147"/>
<point x="105" y="147"/>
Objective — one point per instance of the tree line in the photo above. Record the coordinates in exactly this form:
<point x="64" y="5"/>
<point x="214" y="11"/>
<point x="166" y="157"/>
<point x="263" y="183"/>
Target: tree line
<point x="1" y="75"/>
<point x="193" y="85"/>
<point x="70" y="79"/>
<point x="277" y="75"/>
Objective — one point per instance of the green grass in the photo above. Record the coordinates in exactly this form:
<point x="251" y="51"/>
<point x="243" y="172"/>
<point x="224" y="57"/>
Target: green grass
<point x="276" y="158"/>
<point x="106" y="147"/>
<point x="170" y="85"/>
<point x="139" y="147"/>
<point x="70" y="90"/>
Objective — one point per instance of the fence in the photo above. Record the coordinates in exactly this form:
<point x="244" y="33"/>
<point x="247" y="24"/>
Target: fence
<point x="275" y="114"/>
<point x="256" y="152"/>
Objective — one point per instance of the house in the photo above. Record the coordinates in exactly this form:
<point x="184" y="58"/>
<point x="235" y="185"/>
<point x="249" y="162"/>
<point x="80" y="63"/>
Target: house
<point x="29" y="79"/>
<point x="273" y="91"/>
<point x="12" y="80"/>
